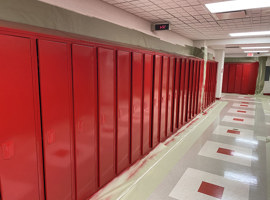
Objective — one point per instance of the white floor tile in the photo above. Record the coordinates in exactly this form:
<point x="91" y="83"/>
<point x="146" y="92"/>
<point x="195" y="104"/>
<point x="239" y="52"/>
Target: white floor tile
<point x="238" y="120"/>
<point x="244" y="133"/>
<point x="240" y="155"/>
<point x="187" y="187"/>
<point x="241" y="111"/>
<point x="242" y="105"/>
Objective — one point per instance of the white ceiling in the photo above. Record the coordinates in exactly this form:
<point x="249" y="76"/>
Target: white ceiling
<point x="190" y="18"/>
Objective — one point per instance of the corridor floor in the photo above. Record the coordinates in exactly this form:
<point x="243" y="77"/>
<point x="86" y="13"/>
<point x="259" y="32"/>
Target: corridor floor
<point x="229" y="161"/>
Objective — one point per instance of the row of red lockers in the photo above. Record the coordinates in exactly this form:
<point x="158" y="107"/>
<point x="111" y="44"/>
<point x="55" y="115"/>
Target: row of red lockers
<point x="74" y="114"/>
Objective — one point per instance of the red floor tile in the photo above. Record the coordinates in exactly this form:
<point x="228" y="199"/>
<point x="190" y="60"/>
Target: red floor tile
<point x="244" y="102"/>
<point x="233" y="131"/>
<point x="238" y="119"/>
<point x="241" y="111"/>
<point x="225" y="151"/>
<point x="243" y="105"/>
<point x="211" y="190"/>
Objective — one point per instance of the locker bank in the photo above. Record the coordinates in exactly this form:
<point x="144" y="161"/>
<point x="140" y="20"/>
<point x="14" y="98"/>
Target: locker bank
<point x="134" y="100"/>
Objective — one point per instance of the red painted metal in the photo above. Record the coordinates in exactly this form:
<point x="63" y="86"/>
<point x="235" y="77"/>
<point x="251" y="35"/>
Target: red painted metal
<point x="181" y="94"/>
<point x="253" y="77"/>
<point x="176" y="94"/>
<point x="137" y="101"/>
<point x="20" y="135"/>
<point x="231" y="80"/>
<point x="123" y="107"/>
<point x="193" y="103"/>
<point x="57" y="119"/>
<point x="164" y="98"/>
<point x="196" y="89"/>
<point x="190" y="85"/>
<point x="147" y="106"/>
<point x="225" y="78"/>
<point x="107" y="121"/>
<point x="171" y="96"/>
<point x="185" y="101"/>
<point x="85" y="119"/>
<point x="200" y="103"/>
<point x="157" y="100"/>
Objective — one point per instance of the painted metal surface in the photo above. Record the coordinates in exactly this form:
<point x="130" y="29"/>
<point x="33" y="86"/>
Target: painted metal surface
<point x="123" y="107"/>
<point x="147" y="106"/>
<point x="157" y="100"/>
<point x="57" y="119"/>
<point x="107" y="115"/>
<point x="176" y="94"/>
<point x="200" y="103"/>
<point x="231" y="80"/>
<point x="85" y="119"/>
<point x="20" y="134"/>
<point x="225" y="78"/>
<point x="137" y="102"/>
<point x="185" y="101"/>
<point x="171" y="96"/>
<point x="190" y="86"/>
<point x="181" y="92"/>
<point x="193" y="89"/>
<point x="164" y="98"/>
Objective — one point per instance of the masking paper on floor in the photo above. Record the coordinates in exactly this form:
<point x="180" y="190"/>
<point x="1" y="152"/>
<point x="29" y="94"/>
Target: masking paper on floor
<point x="140" y="180"/>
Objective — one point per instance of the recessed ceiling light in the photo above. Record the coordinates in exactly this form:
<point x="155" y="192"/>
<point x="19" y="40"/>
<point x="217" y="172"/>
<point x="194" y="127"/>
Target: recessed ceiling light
<point x="255" y="47"/>
<point x="250" y="33"/>
<point x="259" y="51"/>
<point x="235" y="5"/>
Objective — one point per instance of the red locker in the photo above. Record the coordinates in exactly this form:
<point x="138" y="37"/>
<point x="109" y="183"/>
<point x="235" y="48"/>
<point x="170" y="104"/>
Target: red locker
<point x="123" y="107"/>
<point x="164" y="99"/>
<point x="200" y="102"/>
<point x="147" y="106"/>
<point x="231" y="79"/>
<point x="253" y="77"/>
<point x="137" y="100"/>
<point x="190" y="86"/>
<point x="176" y="94"/>
<point x="181" y="93"/>
<point x="85" y="119"/>
<point x="171" y="96"/>
<point x="20" y="131"/>
<point x="196" y="88"/>
<point x="225" y="78"/>
<point x="57" y="119"/>
<point x="185" y="102"/>
<point x="156" y="100"/>
<point x="107" y="106"/>
<point x="193" y="88"/>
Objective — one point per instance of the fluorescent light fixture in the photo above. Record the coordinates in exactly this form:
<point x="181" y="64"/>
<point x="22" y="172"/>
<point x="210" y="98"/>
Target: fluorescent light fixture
<point x="228" y="6"/>
<point x="250" y="33"/>
<point x="259" y="51"/>
<point x="255" y="47"/>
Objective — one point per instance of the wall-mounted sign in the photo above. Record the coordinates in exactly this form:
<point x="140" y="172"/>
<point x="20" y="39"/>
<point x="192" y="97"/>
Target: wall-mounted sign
<point x="250" y="54"/>
<point x="160" y="26"/>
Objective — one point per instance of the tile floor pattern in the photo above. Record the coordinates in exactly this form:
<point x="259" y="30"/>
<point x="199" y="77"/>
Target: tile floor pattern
<point x="228" y="161"/>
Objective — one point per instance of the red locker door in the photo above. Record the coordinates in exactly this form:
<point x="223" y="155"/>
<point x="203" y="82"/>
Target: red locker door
<point x="193" y="88"/>
<point x="164" y="99"/>
<point x="156" y="100"/>
<point x="238" y="78"/>
<point x="231" y="79"/>
<point x="253" y="77"/>
<point x="176" y="94"/>
<point x="147" y="106"/>
<point x="123" y="107"/>
<point x="85" y="119"/>
<point x="185" y="102"/>
<point x="182" y="88"/>
<point x="196" y="88"/>
<point x="245" y="79"/>
<point x="57" y="119"/>
<point x="190" y="85"/>
<point x="137" y="100"/>
<point x="171" y="96"/>
<point x="200" y="101"/>
<point x="107" y="108"/>
<point x="225" y="78"/>
<point x="20" y="132"/>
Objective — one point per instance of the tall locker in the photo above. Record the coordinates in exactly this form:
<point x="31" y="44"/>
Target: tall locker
<point x="176" y="93"/>
<point x="164" y="98"/>
<point x="171" y="96"/>
<point x="20" y="131"/>
<point x="225" y="78"/>
<point x="195" y="97"/>
<point x="123" y="107"/>
<point x="107" y="115"/>
<point x="137" y="101"/>
<point x="193" y="89"/>
<point x="200" y="102"/>
<point x="231" y="79"/>
<point x="190" y="85"/>
<point x="57" y="119"/>
<point x="185" y="102"/>
<point x="181" y="93"/>
<point x="147" y="105"/>
<point x="156" y="100"/>
<point x="85" y="119"/>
